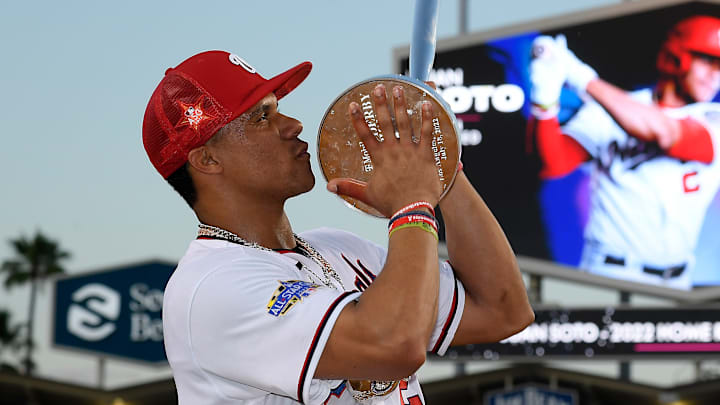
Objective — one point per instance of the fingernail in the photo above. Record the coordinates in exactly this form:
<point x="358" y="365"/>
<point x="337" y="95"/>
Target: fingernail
<point x="397" y="91"/>
<point x="379" y="90"/>
<point x="354" y="108"/>
<point x="426" y="106"/>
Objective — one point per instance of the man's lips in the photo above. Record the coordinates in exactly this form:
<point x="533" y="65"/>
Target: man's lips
<point x="303" y="149"/>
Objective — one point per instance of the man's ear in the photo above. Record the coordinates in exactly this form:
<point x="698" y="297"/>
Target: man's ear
<point x="202" y="160"/>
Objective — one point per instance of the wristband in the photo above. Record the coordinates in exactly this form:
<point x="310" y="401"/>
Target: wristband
<point x="422" y="213"/>
<point x="414" y="205"/>
<point x="414" y="219"/>
<point x="545" y="112"/>
<point x="425" y="227"/>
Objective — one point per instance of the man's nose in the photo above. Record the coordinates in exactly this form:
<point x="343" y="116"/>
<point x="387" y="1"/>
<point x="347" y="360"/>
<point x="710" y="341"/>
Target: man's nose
<point x="291" y="127"/>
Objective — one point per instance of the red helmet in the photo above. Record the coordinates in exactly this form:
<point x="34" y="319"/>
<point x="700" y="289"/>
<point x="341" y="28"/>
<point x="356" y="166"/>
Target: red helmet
<point x="699" y="34"/>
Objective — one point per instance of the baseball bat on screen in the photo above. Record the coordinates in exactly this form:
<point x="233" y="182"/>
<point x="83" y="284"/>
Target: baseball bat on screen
<point x="340" y="151"/>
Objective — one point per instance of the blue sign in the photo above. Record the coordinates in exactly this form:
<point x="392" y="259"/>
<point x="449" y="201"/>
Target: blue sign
<point x="116" y="312"/>
<point x="531" y="395"/>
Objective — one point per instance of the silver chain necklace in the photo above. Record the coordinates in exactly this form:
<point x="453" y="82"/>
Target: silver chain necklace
<point x="309" y="251"/>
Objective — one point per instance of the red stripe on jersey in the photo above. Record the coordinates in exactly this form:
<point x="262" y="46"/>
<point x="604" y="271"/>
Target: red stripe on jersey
<point x="362" y="282"/>
<point x="313" y="345"/>
<point x="695" y="142"/>
<point x="560" y="154"/>
<point x="448" y="321"/>
<point x="367" y="271"/>
<point x="413" y="400"/>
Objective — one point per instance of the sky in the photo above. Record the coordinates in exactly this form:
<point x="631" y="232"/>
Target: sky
<point x="75" y="79"/>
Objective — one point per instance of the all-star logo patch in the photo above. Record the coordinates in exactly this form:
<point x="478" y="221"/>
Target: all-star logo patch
<point x="193" y="114"/>
<point x="288" y="294"/>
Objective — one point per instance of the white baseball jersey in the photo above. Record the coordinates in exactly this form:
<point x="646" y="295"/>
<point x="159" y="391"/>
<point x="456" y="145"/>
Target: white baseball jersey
<point x="646" y="208"/>
<point x="246" y="326"/>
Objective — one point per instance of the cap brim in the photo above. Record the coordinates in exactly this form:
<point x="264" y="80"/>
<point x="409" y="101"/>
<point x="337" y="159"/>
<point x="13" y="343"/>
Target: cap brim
<point x="287" y="81"/>
<point x="281" y="85"/>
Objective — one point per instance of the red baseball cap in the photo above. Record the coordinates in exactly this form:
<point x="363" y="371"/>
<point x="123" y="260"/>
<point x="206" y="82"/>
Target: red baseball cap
<point x="200" y="96"/>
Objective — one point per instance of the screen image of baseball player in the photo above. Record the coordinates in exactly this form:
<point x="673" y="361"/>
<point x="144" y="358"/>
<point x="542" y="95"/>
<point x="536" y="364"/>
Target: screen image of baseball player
<point x="255" y="313"/>
<point x="653" y="152"/>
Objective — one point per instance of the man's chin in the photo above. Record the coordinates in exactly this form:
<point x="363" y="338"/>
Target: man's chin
<point x="311" y="185"/>
<point x="306" y="186"/>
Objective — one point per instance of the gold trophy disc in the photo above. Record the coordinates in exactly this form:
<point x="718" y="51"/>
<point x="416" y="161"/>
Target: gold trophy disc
<point x="343" y="155"/>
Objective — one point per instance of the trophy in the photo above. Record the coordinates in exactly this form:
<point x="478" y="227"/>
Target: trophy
<point x="340" y="151"/>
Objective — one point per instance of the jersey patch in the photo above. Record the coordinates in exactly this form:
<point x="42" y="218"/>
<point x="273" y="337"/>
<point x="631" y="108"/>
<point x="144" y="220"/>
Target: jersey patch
<point x="288" y="294"/>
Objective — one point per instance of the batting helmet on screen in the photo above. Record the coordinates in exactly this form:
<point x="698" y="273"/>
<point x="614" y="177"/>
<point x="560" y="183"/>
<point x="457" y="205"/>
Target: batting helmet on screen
<point x="698" y="34"/>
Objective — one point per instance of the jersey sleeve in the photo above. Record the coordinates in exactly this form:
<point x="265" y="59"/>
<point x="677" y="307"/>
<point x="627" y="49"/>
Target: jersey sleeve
<point x="451" y="297"/>
<point x="710" y="120"/>
<point x="252" y="325"/>
<point x="695" y="142"/>
<point x="451" y="302"/>
<point x="560" y="154"/>
<point x="592" y="127"/>
<point x="700" y="128"/>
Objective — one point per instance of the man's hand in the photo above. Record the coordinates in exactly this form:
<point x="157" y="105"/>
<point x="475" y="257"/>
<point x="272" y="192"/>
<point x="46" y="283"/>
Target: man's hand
<point x="404" y="170"/>
<point x="579" y="74"/>
<point x="548" y="72"/>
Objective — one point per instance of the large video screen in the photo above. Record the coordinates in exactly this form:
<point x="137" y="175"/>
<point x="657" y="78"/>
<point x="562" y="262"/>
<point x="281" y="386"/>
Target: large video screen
<point x="599" y="191"/>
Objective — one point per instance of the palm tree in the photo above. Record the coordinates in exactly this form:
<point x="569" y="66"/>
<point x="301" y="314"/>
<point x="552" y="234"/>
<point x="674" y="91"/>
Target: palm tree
<point x="9" y="336"/>
<point x="35" y="260"/>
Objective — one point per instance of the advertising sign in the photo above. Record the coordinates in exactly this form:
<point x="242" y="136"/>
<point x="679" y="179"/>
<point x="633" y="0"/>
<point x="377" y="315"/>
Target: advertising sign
<point x="607" y="333"/>
<point x="116" y="312"/>
<point x="531" y="394"/>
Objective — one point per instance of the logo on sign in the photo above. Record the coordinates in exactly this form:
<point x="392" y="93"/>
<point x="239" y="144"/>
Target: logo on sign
<point x="95" y="307"/>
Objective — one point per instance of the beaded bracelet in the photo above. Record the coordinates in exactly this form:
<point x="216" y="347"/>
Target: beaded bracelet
<point x="422" y="213"/>
<point x="422" y="225"/>
<point x="414" y="205"/>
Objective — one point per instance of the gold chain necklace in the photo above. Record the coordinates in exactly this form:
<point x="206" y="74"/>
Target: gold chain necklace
<point x="306" y="250"/>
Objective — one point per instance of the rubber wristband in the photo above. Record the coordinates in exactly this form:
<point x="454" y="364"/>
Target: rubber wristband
<point x="416" y="219"/>
<point x="425" y="227"/>
<point x="423" y="213"/>
<point x="414" y="205"/>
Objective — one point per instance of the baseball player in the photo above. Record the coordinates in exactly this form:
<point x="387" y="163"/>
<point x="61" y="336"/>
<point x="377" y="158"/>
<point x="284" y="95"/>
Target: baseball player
<point x="255" y="314"/>
<point x="654" y="152"/>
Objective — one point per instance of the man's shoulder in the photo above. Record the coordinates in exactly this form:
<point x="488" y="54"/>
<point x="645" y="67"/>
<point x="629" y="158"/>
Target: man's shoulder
<point x="707" y="112"/>
<point x="211" y="254"/>
<point x="337" y="241"/>
<point x="204" y="259"/>
<point x="333" y="236"/>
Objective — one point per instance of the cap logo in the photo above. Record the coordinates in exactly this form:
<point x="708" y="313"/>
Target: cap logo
<point x="236" y="60"/>
<point x="193" y="114"/>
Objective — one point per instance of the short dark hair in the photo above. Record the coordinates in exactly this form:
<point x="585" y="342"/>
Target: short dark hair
<point x="182" y="182"/>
